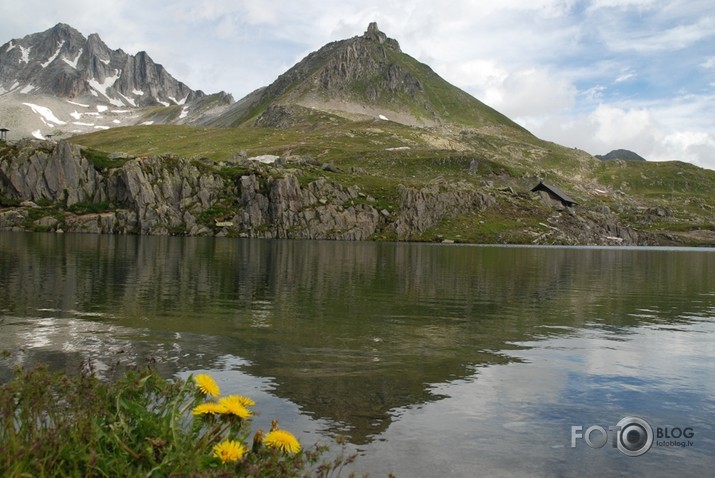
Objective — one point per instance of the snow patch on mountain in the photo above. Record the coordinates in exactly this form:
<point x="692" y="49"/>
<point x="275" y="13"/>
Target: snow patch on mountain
<point x="77" y="104"/>
<point x="25" y="58"/>
<point x="54" y="56"/>
<point x="73" y="63"/>
<point x="129" y="100"/>
<point x="178" y="102"/>
<point x="107" y="83"/>
<point x="47" y="115"/>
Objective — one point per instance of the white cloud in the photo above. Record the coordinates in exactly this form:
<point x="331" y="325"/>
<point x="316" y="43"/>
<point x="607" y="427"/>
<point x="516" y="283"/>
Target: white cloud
<point x="614" y="124"/>
<point x="695" y="147"/>
<point x="532" y="92"/>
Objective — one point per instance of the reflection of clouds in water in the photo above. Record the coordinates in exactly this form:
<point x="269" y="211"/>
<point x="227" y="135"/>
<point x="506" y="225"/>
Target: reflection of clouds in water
<point x="673" y="356"/>
<point x="515" y="419"/>
<point x="89" y="339"/>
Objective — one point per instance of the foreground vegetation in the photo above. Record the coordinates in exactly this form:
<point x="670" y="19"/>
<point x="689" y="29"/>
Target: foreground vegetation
<point x="54" y="424"/>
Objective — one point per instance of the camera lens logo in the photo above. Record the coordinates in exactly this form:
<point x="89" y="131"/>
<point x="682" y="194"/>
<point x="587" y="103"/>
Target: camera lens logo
<point x="634" y="436"/>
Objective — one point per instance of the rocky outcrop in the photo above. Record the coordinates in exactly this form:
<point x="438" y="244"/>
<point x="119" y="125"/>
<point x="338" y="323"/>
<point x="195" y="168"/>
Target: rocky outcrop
<point x="172" y="195"/>
<point x="49" y="171"/>
<point x="420" y="209"/>
<point x="588" y="228"/>
<point x="319" y="211"/>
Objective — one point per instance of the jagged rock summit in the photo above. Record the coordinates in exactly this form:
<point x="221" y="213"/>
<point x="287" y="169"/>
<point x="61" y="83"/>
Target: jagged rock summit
<point x="359" y="78"/>
<point x="59" y="82"/>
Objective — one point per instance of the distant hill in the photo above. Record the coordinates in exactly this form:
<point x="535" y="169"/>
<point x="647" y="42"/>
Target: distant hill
<point x="623" y="154"/>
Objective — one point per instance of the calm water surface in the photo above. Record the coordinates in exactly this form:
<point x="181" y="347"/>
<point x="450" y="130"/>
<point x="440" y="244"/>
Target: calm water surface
<point x="432" y="360"/>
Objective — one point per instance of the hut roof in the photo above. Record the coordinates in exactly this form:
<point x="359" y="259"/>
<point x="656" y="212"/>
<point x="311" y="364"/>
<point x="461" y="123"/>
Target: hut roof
<point x="562" y="196"/>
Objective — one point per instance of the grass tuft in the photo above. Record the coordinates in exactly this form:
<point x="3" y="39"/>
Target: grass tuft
<point x="140" y="424"/>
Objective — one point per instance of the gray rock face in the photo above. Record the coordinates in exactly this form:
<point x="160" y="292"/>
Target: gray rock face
<point x="424" y="208"/>
<point x="170" y="195"/>
<point x="54" y="172"/>
<point x="319" y="211"/>
<point x="165" y="194"/>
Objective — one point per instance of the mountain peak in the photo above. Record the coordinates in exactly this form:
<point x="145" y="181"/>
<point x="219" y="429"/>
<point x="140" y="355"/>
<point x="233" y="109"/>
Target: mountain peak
<point x="361" y="78"/>
<point x="373" y="33"/>
<point x="63" y="28"/>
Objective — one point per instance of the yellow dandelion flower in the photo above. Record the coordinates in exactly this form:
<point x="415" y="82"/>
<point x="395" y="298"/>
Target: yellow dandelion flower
<point x="233" y="406"/>
<point x="207" y="385"/>
<point x="283" y="440"/>
<point x="245" y="401"/>
<point x="209" y="408"/>
<point x="229" y="451"/>
<point x="240" y="399"/>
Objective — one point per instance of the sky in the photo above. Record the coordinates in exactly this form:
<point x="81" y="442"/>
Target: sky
<point x="596" y="75"/>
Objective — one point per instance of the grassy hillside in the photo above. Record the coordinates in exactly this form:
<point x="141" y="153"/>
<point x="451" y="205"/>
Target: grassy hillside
<point x="670" y="198"/>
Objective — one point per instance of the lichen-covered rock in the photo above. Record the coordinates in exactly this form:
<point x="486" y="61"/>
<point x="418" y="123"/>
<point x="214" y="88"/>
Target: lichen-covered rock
<point x="12" y="219"/>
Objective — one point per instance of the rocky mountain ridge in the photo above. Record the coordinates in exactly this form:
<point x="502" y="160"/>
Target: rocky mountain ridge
<point x="58" y="82"/>
<point x="63" y="63"/>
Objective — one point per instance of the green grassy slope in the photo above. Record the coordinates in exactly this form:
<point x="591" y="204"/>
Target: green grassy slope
<point x="670" y="198"/>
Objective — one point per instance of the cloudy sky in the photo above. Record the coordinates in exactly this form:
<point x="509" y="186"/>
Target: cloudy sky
<point x="593" y="74"/>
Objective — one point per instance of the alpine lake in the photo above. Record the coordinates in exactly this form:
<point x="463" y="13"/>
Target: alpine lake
<point x="431" y="360"/>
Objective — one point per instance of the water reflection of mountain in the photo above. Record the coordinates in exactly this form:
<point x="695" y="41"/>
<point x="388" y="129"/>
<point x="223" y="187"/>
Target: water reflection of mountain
<point x="348" y="331"/>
